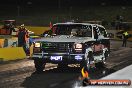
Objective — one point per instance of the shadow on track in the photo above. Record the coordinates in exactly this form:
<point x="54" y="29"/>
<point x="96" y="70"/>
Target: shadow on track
<point x="61" y="78"/>
<point x="51" y="78"/>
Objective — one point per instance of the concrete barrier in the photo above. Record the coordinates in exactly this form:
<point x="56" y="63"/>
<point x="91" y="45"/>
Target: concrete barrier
<point x="12" y="53"/>
<point x="2" y="43"/>
<point x="8" y="42"/>
<point x="12" y="42"/>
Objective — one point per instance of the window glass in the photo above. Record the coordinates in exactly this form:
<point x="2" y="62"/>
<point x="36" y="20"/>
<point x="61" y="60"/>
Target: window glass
<point x="77" y="29"/>
<point x="103" y="32"/>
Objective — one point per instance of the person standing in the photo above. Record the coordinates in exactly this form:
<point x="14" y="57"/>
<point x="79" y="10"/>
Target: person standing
<point x="124" y="37"/>
<point x="22" y="37"/>
<point x="12" y="28"/>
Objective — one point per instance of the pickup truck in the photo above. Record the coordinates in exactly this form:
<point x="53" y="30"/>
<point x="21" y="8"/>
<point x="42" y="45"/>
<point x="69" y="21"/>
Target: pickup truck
<point x="72" y="43"/>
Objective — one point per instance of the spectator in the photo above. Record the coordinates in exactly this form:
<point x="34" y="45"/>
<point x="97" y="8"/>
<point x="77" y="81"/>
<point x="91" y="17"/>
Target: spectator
<point x="22" y="37"/>
<point x="12" y="28"/>
<point x="124" y="37"/>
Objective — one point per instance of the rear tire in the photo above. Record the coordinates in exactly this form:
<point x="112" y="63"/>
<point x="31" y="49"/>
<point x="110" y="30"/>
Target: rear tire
<point x="39" y="65"/>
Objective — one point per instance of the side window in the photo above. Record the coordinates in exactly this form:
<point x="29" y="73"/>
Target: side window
<point x="84" y="31"/>
<point x="103" y="31"/>
<point x="88" y="33"/>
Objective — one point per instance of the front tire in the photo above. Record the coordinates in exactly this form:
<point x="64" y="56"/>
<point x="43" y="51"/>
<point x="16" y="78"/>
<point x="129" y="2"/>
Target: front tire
<point x="39" y="64"/>
<point x="87" y="61"/>
<point x="106" y="54"/>
<point x="100" y="65"/>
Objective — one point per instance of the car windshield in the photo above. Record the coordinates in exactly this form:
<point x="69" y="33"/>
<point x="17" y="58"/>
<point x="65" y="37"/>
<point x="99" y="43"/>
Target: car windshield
<point x="73" y="29"/>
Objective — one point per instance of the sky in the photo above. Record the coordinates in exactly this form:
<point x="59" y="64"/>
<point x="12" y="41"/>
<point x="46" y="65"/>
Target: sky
<point x="66" y="2"/>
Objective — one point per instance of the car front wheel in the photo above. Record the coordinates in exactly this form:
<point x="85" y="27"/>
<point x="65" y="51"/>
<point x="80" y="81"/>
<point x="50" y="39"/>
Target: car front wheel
<point x="87" y="61"/>
<point x="39" y="64"/>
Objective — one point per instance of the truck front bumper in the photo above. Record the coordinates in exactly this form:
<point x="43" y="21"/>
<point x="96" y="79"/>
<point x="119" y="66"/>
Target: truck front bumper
<point x="59" y="57"/>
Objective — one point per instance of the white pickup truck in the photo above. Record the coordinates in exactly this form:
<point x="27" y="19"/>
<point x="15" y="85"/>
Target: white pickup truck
<point x="72" y="43"/>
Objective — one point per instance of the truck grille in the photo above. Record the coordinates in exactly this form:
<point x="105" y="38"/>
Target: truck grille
<point x="56" y="47"/>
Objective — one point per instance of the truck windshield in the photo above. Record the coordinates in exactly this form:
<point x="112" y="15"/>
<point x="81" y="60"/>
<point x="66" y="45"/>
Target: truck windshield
<point x="73" y="29"/>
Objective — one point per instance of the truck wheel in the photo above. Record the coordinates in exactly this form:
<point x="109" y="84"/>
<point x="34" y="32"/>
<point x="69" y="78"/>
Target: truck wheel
<point x="86" y="62"/>
<point x="100" y="65"/>
<point x="39" y="65"/>
<point x="106" y="54"/>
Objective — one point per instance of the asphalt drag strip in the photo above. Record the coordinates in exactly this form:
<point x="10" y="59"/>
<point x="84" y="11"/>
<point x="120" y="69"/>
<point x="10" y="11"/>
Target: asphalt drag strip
<point x="53" y="77"/>
<point x="117" y="61"/>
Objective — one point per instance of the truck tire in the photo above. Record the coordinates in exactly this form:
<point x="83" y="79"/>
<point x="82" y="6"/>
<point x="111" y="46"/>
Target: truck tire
<point x="100" y="65"/>
<point x="106" y="54"/>
<point x="86" y="62"/>
<point x="39" y="65"/>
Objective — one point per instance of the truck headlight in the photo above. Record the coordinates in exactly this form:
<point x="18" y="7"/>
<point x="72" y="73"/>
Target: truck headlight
<point x="37" y="45"/>
<point x="78" y="46"/>
<point x="37" y="48"/>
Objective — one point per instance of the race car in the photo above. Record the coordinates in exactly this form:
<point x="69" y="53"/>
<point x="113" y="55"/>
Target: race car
<point x="72" y="43"/>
